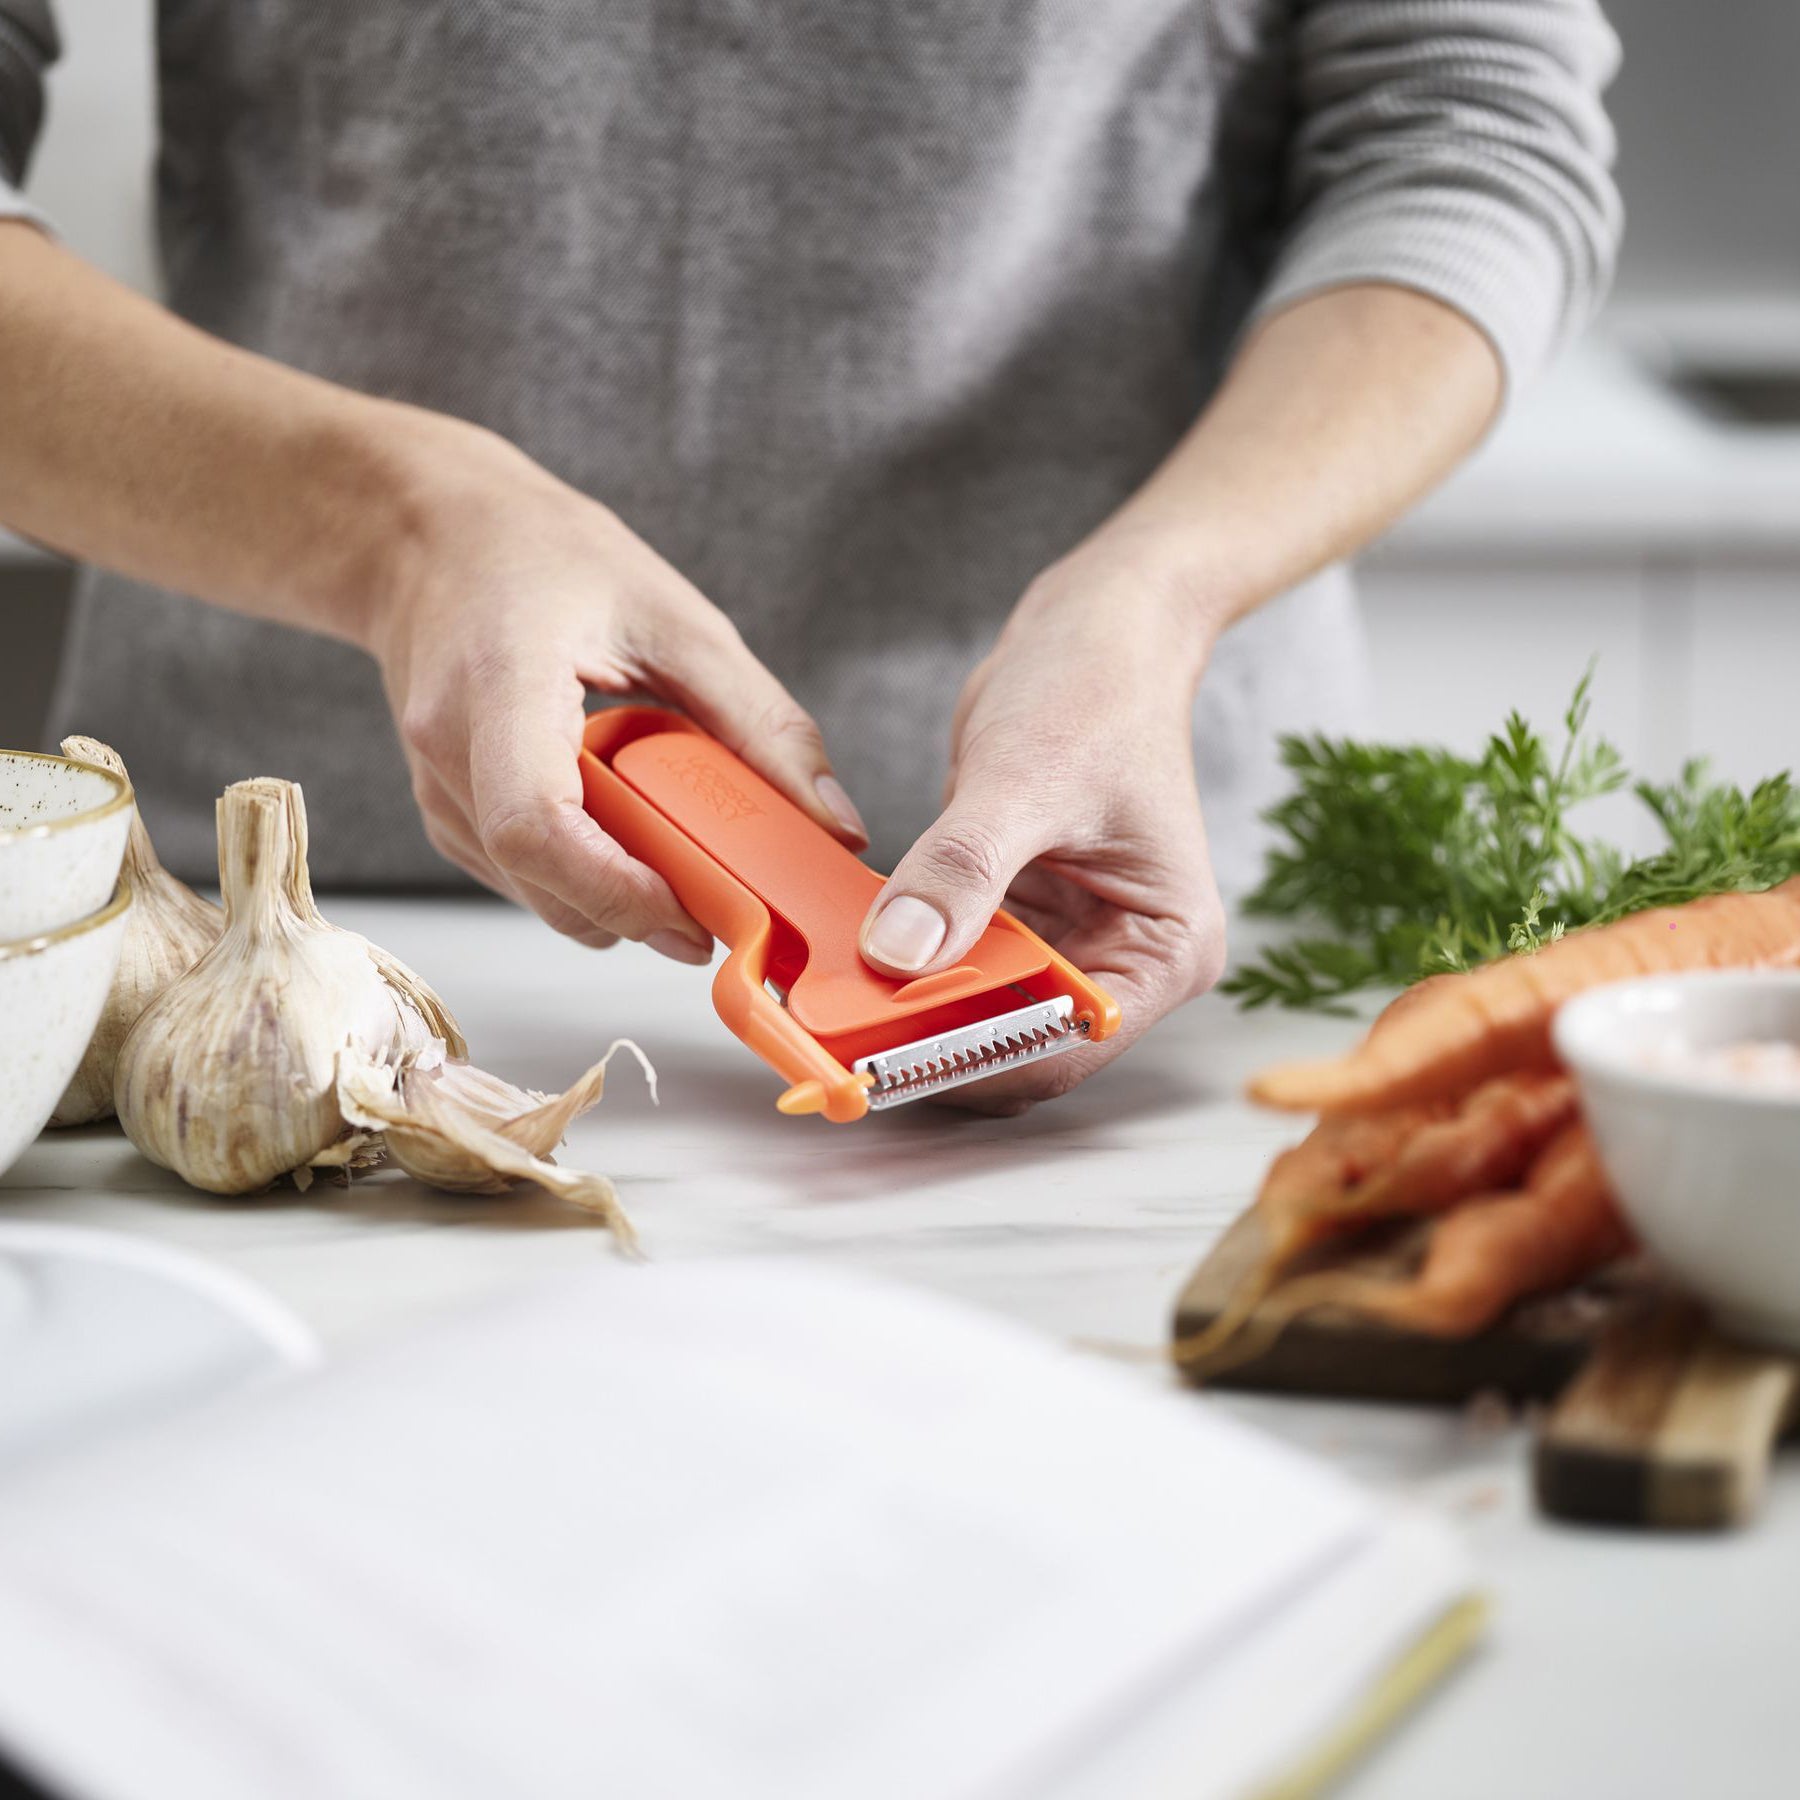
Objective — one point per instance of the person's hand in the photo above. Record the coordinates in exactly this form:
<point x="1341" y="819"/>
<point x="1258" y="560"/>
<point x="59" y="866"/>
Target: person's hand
<point x="514" y="596"/>
<point x="1071" y="801"/>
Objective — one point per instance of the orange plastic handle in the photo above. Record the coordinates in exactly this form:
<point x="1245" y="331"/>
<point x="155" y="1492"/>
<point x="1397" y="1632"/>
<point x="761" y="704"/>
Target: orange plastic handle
<point x="790" y="900"/>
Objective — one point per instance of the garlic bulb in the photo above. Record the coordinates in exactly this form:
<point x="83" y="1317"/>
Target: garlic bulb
<point x="168" y="929"/>
<point x="229" y="1078"/>
<point x="455" y="1127"/>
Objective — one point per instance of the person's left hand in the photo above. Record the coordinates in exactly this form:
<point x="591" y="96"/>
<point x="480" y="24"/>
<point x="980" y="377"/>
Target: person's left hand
<point x="1071" y="801"/>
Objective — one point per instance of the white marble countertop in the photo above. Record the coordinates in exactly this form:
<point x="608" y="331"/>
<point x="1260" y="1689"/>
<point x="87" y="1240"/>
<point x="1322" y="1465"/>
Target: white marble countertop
<point x="1617" y="1666"/>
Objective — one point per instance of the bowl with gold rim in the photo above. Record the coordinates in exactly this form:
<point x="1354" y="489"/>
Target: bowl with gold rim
<point x="63" y="826"/>
<point x="53" y="986"/>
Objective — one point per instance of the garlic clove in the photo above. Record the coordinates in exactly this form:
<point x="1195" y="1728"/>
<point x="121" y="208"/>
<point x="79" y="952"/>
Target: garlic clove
<point x="230" y="1076"/>
<point x="424" y="1017"/>
<point x="352" y="1154"/>
<point x="535" y="1122"/>
<point x="167" y="931"/>
<point x="457" y="1128"/>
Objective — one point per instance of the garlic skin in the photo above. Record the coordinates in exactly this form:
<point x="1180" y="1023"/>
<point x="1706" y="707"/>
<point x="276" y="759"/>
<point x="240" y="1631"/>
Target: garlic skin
<point x="229" y="1077"/>
<point x="167" y="931"/>
<point x="457" y="1128"/>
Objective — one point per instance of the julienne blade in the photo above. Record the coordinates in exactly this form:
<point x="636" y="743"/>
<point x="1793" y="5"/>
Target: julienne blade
<point x="1415" y="860"/>
<point x="971" y="1052"/>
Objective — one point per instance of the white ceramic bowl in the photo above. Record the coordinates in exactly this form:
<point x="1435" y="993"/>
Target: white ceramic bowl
<point x="52" y="988"/>
<point x="1706" y="1168"/>
<point x="62" y="837"/>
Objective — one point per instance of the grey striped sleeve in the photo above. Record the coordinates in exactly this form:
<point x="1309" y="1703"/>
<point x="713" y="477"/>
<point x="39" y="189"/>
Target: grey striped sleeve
<point x="28" y="46"/>
<point x="1457" y="147"/>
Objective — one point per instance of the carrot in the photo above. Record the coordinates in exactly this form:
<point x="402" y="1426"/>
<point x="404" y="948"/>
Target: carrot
<point x="1456" y="1031"/>
<point x="1489" y="1142"/>
<point x="1491" y="1252"/>
<point x="1355" y="1169"/>
<point x="1338" y="1156"/>
<point x="1335" y="1157"/>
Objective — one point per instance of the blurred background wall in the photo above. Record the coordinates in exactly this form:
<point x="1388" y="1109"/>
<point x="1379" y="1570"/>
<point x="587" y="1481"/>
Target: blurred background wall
<point x="1613" y="513"/>
<point x="92" y="176"/>
<point x="1643" y="507"/>
<point x="1711" y="138"/>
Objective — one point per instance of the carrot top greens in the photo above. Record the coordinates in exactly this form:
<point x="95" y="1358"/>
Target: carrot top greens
<point x="1408" y="861"/>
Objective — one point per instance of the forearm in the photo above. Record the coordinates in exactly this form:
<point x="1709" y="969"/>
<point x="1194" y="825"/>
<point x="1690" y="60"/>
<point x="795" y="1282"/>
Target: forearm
<point x="130" y="439"/>
<point x="1336" y="415"/>
<point x="1072" y="792"/>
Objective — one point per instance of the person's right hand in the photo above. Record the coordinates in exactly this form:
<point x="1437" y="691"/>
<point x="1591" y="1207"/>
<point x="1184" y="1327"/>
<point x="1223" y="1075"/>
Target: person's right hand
<point x="510" y="597"/>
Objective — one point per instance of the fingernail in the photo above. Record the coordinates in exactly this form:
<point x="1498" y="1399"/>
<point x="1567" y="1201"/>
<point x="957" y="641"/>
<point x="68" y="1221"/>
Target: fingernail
<point x="840" y="806"/>
<point x="680" y="947"/>
<point x="906" y="933"/>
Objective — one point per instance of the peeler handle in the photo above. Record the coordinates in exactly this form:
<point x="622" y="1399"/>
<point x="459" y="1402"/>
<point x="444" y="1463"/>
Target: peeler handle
<point x="811" y="884"/>
<point x="789" y="900"/>
<point x="818" y="1081"/>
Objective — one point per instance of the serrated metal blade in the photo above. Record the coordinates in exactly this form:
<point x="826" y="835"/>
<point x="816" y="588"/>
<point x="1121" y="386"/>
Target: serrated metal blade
<point x="971" y="1052"/>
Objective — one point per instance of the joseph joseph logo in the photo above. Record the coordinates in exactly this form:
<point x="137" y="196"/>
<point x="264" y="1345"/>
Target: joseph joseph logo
<point x="717" y="790"/>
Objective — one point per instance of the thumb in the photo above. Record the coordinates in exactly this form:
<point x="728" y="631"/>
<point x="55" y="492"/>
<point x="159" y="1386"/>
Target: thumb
<point x="729" y="693"/>
<point x="950" y="883"/>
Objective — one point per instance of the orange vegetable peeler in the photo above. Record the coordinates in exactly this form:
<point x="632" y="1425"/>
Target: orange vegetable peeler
<point x="789" y="900"/>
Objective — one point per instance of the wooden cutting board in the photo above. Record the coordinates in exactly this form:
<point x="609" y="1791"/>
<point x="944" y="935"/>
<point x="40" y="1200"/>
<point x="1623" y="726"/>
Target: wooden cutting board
<point x="1333" y="1352"/>
<point x="1667" y="1424"/>
<point x="1657" y="1421"/>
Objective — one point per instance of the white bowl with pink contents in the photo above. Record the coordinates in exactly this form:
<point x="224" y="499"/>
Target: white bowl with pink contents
<point x="1691" y="1084"/>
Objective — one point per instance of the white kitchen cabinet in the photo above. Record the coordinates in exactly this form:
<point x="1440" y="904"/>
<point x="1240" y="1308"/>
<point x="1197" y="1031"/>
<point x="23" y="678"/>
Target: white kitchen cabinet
<point x="1694" y="656"/>
<point x="1457" y="645"/>
<point x="1746" y="666"/>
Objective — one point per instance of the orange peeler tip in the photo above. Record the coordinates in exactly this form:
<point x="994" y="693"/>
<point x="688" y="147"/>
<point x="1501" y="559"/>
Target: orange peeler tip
<point x="803" y="1097"/>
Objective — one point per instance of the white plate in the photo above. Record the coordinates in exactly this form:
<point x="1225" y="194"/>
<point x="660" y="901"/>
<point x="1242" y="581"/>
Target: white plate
<point x="100" y="1332"/>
